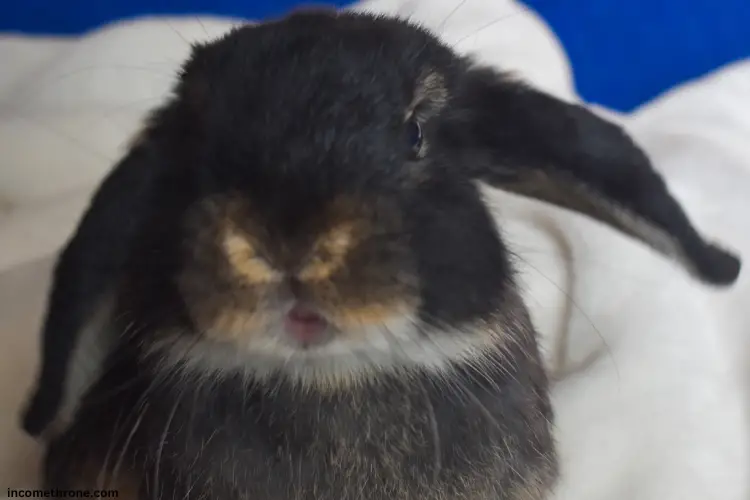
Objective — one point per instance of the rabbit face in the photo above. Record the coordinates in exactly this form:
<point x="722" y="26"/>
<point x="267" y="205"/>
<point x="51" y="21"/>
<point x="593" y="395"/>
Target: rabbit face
<point x="322" y="228"/>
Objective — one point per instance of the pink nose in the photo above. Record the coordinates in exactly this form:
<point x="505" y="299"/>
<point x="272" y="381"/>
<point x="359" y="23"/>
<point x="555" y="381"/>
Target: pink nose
<point x="305" y="325"/>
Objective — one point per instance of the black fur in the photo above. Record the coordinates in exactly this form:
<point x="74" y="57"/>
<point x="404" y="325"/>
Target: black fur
<point x="521" y="130"/>
<point x="289" y="116"/>
<point x="86" y="270"/>
<point x="481" y="434"/>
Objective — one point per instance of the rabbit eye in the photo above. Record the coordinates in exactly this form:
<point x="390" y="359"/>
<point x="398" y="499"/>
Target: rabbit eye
<point x="414" y="136"/>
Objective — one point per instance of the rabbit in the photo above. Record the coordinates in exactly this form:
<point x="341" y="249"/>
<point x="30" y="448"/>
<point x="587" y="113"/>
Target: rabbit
<point x="292" y="288"/>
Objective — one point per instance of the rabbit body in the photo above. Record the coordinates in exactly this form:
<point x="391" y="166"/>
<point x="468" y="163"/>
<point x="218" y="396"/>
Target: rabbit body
<point x="307" y="296"/>
<point x="481" y="434"/>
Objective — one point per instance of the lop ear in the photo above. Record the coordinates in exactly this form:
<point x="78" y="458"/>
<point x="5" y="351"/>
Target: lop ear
<point x="533" y="144"/>
<point x="73" y="333"/>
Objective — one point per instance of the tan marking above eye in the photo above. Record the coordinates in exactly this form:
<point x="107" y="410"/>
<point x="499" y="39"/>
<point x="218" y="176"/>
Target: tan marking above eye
<point x="329" y="252"/>
<point x="244" y="259"/>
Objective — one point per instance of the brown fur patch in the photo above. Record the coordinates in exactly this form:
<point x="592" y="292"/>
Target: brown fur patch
<point x="243" y="257"/>
<point x="372" y="313"/>
<point x="347" y="275"/>
<point x="225" y="277"/>
<point x="329" y="252"/>
<point x="231" y="323"/>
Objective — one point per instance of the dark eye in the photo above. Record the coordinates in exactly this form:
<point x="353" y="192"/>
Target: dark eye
<point x="414" y="135"/>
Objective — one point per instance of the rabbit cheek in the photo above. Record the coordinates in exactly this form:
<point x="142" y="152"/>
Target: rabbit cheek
<point x="225" y="293"/>
<point x="223" y="310"/>
<point x="372" y="283"/>
<point x="353" y="309"/>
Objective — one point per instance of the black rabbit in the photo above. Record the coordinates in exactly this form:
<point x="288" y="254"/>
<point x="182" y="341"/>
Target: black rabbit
<point x="291" y="287"/>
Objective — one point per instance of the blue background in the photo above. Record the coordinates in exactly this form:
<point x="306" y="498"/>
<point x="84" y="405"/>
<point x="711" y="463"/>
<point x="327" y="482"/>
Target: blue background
<point x="624" y="52"/>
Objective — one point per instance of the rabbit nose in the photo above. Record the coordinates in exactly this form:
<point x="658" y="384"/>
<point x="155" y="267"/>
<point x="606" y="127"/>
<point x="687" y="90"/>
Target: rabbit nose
<point x="305" y="324"/>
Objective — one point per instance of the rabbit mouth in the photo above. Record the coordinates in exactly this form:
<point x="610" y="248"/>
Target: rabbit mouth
<point x="306" y="325"/>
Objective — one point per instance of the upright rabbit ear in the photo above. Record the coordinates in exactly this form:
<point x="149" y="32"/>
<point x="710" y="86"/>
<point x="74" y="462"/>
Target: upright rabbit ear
<point x="536" y="145"/>
<point x="84" y="276"/>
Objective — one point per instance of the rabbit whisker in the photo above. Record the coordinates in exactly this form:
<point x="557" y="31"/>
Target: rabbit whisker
<point x="160" y="449"/>
<point x="441" y="26"/>
<point x="126" y="444"/>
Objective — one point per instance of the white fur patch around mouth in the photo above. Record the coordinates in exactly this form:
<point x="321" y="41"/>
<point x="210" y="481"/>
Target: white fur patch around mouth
<point x="400" y="344"/>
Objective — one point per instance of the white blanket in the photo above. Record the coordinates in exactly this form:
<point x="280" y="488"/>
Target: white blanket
<point x="651" y="369"/>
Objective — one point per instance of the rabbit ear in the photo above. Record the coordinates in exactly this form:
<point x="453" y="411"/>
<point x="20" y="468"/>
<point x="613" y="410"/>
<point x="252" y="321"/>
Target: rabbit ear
<point x="538" y="146"/>
<point x="73" y="335"/>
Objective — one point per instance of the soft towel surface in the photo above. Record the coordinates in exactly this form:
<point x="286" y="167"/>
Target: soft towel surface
<point x="651" y="369"/>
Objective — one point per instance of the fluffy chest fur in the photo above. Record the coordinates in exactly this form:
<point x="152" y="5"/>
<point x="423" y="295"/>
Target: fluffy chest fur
<point x="476" y="433"/>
